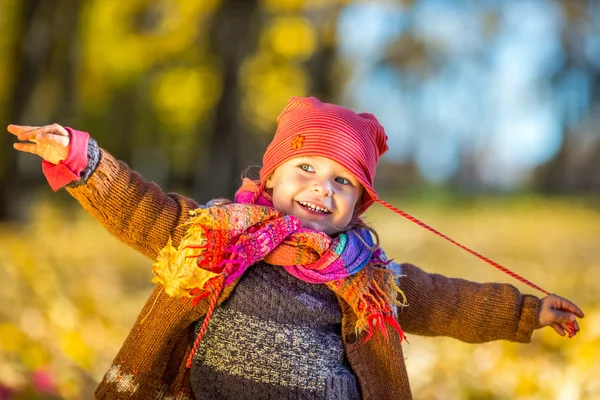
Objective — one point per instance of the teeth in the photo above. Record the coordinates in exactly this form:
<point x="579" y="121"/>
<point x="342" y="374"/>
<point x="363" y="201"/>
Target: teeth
<point x="313" y="207"/>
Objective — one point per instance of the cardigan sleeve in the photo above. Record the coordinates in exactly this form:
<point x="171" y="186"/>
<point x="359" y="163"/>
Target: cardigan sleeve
<point x="135" y="211"/>
<point x="468" y="311"/>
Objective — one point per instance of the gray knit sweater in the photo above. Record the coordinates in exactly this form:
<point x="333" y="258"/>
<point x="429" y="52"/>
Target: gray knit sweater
<point x="275" y="337"/>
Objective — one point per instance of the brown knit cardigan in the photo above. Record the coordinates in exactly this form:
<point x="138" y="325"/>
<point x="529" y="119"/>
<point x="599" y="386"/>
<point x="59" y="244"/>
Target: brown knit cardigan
<point x="151" y="363"/>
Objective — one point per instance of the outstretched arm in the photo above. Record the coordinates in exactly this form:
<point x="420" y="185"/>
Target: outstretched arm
<point x="135" y="211"/>
<point x="474" y="312"/>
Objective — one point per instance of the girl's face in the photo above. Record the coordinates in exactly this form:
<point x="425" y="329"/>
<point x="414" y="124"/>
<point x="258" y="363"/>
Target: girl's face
<point x="316" y="190"/>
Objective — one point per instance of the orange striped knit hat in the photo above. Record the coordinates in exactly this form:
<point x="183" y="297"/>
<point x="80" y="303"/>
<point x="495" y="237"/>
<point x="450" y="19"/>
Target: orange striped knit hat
<point x="308" y="127"/>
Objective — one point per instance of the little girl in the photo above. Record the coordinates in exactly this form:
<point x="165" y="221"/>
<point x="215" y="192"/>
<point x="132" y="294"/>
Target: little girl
<point x="291" y="297"/>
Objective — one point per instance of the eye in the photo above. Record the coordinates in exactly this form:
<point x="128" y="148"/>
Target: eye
<point x="343" y="181"/>
<point x="306" y="167"/>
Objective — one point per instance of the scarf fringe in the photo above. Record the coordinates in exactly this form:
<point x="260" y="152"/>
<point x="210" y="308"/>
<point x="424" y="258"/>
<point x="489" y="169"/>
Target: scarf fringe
<point x="368" y="322"/>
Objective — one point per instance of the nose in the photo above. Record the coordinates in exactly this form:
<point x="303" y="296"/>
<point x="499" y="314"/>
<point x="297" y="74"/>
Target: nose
<point x="323" y="187"/>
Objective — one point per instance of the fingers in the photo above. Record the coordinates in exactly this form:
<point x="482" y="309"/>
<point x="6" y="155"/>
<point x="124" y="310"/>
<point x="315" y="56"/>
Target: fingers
<point x="564" y="329"/>
<point x="19" y="129"/>
<point x="566" y="319"/>
<point x="25" y="132"/>
<point x="562" y="317"/>
<point x="561" y="314"/>
<point x="567" y="316"/>
<point x="568" y="328"/>
<point x="558" y="329"/>
<point x="26" y="147"/>
<point x="566" y="305"/>
<point x="572" y="329"/>
<point x="51" y="142"/>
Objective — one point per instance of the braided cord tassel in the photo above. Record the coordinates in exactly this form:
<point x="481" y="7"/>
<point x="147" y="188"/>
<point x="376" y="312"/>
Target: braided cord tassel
<point x="211" y="308"/>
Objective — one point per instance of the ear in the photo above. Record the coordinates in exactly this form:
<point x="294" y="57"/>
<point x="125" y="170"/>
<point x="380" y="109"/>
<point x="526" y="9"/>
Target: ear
<point x="269" y="182"/>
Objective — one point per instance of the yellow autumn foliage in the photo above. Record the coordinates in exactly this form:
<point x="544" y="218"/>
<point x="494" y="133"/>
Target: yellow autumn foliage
<point x="183" y="96"/>
<point x="177" y="271"/>
<point x="268" y="85"/>
<point x="292" y="37"/>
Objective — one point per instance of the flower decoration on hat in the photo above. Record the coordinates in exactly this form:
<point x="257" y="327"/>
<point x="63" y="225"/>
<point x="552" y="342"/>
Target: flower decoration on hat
<point x="297" y="142"/>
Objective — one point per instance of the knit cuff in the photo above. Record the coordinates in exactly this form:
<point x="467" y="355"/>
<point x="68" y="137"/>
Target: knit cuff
<point x="528" y="320"/>
<point x="93" y="159"/>
<point x="68" y="170"/>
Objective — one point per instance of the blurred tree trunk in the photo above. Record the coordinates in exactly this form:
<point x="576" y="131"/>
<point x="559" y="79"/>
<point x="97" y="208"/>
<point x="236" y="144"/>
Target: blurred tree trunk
<point x="576" y="167"/>
<point x="65" y="63"/>
<point x="233" y="35"/>
<point x="321" y="65"/>
<point x="593" y="166"/>
<point x="574" y="170"/>
<point x="119" y="126"/>
<point x="552" y="176"/>
<point x="27" y="67"/>
<point x="41" y="52"/>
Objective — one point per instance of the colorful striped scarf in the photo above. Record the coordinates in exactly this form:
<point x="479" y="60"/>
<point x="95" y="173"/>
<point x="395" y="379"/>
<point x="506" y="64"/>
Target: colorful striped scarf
<point x="222" y="241"/>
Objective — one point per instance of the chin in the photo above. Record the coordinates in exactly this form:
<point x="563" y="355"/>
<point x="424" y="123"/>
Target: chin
<point x="315" y="226"/>
<point x="329" y="230"/>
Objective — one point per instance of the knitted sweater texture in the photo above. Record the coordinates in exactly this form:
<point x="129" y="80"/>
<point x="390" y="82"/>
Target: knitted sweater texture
<point x="275" y="337"/>
<point x="151" y="362"/>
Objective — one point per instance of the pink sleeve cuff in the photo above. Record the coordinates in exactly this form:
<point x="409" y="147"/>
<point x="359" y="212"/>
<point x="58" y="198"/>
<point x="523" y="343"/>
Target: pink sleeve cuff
<point x="68" y="170"/>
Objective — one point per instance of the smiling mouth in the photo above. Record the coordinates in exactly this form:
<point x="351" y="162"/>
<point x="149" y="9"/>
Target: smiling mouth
<point x="314" y="208"/>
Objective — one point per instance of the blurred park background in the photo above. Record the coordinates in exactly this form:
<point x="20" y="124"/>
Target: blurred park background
<point x="492" y="109"/>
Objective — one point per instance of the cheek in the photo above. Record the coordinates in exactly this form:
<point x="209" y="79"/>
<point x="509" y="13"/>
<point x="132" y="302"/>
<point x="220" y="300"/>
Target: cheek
<point x="291" y="182"/>
<point x="349" y="202"/>
<point x="282" y="192"/>
<point x="353" y="205"/>
<point x="354" y="198"/>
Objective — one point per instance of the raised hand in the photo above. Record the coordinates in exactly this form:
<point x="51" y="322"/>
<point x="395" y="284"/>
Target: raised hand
<point x="51" y="142"/>
<point x="560" y="314"/>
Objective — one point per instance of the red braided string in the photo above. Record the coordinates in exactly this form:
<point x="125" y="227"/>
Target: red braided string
<point x="484" y="258"/>
<point x="211" y="308"/>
